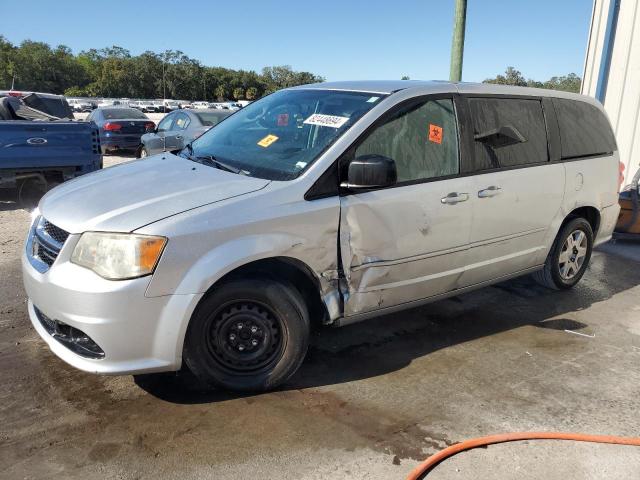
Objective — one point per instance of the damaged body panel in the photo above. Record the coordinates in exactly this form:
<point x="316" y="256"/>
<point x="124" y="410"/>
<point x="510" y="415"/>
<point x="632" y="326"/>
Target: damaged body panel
<point x="399" y="244"/>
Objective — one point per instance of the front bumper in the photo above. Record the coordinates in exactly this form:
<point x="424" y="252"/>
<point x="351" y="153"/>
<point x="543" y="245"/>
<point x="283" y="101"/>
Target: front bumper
<point x="138" y="334"/>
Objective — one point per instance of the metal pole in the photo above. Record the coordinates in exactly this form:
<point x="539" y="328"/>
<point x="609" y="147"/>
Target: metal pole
<point x="457" y="44"/>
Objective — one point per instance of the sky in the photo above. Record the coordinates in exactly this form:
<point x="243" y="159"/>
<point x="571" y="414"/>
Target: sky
<point x="337" y="39"/>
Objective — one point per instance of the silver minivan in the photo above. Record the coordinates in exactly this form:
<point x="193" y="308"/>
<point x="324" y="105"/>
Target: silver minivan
<point x="323" y="204"/>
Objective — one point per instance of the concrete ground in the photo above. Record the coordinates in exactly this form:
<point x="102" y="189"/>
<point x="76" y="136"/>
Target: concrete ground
<point x="370" y="401"/>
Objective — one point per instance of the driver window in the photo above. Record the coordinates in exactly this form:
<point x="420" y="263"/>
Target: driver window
<point x="421" y="138"/>
<point x="165" y="123"/>
<point x="182" y="121"/>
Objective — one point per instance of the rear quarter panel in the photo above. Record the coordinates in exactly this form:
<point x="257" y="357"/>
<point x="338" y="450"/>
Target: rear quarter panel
<point x="593" y="182"/>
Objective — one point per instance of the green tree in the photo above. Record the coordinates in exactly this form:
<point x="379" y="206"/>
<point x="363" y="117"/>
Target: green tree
<point x="238" y="93"/>
<point x="252" y="93"/>
<point x="115" y="72"/>
<point x="405" y="77"/>
<point x="7" y="65"/>
<point x="511" y="77"/>
<point x="221" y="92"/>
<point x="568" y="83"/>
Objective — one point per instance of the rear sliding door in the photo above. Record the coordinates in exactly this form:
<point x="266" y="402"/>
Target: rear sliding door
<point x="516" y="192"/>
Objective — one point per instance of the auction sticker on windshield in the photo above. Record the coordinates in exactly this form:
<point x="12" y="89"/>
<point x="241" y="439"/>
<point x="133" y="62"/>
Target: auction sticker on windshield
<point x="321" y="120"/>
<point x="268" y="140"/>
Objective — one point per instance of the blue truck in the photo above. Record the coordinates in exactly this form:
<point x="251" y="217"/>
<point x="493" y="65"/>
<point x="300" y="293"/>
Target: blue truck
<point x="40" y="148"/>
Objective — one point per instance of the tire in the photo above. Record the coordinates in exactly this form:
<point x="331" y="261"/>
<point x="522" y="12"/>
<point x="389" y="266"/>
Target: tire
<point x="559" y="275"/>
<point x="248" y="335"/>
<point x="142" y="153"/>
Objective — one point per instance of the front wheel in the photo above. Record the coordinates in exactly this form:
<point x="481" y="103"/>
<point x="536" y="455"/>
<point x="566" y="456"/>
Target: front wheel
<point x="142" y="152"/>
<point x="569" y="256"/>
<point x="248" y="335"/>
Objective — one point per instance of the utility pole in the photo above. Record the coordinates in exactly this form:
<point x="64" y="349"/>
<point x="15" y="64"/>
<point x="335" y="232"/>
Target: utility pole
<point x="457" y="44"/>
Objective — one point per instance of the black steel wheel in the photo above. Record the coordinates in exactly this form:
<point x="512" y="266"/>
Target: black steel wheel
<point x="245" y="337"/>
<point x="248" y="335"/>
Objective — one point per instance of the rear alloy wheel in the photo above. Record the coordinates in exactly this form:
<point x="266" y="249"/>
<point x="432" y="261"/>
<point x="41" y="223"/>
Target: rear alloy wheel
<point x="569" y="256"/>
<point x="143" y="153"/>
<point x="248" y="335"/>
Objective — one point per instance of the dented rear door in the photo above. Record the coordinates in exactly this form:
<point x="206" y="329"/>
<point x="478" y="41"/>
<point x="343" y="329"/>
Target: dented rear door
<point x="408" y="242"/>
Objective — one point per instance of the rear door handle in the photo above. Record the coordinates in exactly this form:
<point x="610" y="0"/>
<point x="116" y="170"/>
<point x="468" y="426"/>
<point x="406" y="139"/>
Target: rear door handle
<point x="454" y="197"/>
<point x="178" y="137"/>
<point x="491" y="191"/>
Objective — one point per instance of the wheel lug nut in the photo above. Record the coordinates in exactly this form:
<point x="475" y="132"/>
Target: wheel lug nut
<point x="232" y="336"/>
<point x="254" y="329"/>
<point x="254" y="342"/>
<point x="241" y="347"/>
<point x="239" y="326"/>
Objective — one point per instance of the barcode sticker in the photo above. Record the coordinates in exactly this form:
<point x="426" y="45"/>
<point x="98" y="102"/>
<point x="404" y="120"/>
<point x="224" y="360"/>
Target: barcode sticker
<point x="322" y="120"/>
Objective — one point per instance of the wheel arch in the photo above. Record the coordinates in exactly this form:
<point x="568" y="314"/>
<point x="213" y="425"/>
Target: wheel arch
<point x="590" y="213"/>
<point x="288" y="270"/>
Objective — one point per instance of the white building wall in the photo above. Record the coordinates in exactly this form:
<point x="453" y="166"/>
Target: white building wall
<point x="622" y="95"/>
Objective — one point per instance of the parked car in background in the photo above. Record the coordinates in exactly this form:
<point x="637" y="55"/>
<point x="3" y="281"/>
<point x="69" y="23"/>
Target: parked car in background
<point x="179" y="128"/>
<point x="169" y="106"/>
<point x="184" y="103"/>
<point x="80" y="105"/>
<point x="323" y="204"/>
<point x="110" y="102"/>
<point x="37" y="151"/>
<point x="120" y="127"/>
<point x="51" y="104"/>
<point x="200" y="105"/>
<point x="146" y="106"/>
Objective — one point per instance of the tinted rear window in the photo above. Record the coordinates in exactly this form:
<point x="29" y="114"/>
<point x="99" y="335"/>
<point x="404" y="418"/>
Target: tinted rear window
<point x="584" y="129"/>
<point x="523" y="114"/>
<point x="123" y="113"/>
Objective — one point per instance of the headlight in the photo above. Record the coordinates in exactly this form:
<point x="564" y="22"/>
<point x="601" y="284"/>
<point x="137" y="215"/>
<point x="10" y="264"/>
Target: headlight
<point x="118" y="256"/>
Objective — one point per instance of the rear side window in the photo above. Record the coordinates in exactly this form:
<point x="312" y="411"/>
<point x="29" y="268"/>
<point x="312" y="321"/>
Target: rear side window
<point x="525" y="115"/>
<point x="584" y="129"/>
<point x="422" y="139"/>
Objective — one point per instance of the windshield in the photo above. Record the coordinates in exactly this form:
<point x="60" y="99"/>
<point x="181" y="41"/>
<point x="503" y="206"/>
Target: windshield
<point x="277" y="137"/>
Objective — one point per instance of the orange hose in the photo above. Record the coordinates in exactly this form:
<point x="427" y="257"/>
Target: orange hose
<point x="425" y="467"/>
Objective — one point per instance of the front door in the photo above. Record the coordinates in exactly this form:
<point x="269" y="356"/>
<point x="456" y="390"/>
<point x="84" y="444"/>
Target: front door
<point x="407" y="242"/>
<point x="174" y="139"/>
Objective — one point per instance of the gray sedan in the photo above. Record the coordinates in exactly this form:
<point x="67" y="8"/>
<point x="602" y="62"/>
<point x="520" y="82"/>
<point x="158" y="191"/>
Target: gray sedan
<point x="179" y="128"/>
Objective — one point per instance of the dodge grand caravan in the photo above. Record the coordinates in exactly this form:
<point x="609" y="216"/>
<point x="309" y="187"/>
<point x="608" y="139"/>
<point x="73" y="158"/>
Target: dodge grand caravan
<point x="317" y="205"/>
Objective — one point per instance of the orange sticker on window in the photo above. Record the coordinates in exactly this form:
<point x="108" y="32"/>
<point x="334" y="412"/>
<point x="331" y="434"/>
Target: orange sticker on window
<point x="435" y="133"/>
<point x="283" y="120"/>
<point x="268" y="140"/>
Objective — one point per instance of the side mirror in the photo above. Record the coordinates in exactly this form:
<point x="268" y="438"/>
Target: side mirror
<point x="371" y="171"/>
<point x="500" y="137"/>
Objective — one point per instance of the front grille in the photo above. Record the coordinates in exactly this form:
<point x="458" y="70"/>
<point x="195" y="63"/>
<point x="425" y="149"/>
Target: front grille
<point x="44" y="244"/>
<point x="54" y="232"/>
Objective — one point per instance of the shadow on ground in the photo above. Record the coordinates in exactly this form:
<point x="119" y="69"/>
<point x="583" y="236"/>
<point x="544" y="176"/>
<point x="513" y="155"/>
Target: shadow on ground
<point x="391" y="342"/>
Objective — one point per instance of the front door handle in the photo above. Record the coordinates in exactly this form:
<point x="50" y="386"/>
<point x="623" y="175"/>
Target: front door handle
<point x="454" y="197"/>
<point x="491" y="191"/>
<point x="179" y="137"/>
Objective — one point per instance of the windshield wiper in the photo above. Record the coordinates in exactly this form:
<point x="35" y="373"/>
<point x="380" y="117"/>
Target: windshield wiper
<point x="211" y="160"/>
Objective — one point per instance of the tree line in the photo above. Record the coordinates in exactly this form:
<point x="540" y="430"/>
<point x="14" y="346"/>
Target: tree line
<point x="568" y="83"/>
<point x="115" y="72"/>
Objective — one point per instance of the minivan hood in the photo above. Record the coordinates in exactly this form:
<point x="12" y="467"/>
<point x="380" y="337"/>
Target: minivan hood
<point x="129" y="196"/>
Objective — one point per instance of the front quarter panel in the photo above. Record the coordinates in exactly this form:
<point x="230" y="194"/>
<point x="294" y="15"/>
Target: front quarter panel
<point x="209" y="242"/>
